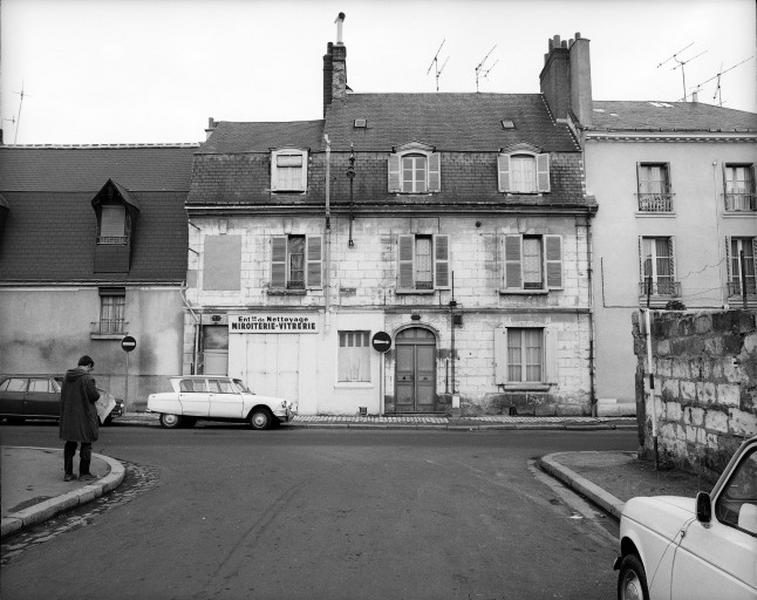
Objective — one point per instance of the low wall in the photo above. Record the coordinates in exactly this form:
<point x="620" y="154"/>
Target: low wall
<point x="705" y="378"/>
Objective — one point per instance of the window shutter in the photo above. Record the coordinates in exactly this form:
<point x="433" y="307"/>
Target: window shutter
<point x="406" y="262"/>
<point x="274" y="175"/>
<point x="668" y="181"/>
<point x="672" y="258"/>
<point x="728" y="263"/>
<point x="551" y="368"/>
<point x="553" y="254"/>
<point x="752" y="190"/>
<point x="500" y="355"/>
<point x="641" y="261"/>
<point x="441" y="261"/>
<point x="393" y="168"/>
<point x="503" y="172"/>
<point x="513" y="267"/>
<point x="434" y="173"/>
<point x="304" y="173"/>
<point x="314" y="251"/>
<point x="279" y="261"/>
<point x="754" y="256"/>
<point x="542" y="172"/>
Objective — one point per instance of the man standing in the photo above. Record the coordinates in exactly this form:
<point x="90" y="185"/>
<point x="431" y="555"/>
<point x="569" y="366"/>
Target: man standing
<point x="78" y="418"/>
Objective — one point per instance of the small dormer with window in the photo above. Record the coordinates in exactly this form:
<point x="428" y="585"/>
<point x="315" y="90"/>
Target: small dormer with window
<point x="414" y="169"/>
<point x="289" y="170"/>
<point x="116" y="211"/>
<point x="522" y="169"/>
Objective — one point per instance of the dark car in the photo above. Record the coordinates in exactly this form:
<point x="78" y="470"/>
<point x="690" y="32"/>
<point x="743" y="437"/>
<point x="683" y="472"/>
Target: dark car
<point x="38" y="397"/>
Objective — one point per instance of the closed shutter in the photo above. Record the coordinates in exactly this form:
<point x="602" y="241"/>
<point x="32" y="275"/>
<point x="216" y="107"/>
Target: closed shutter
<point x="314" y="251"/>
<point x="393" y="169"/>
<point x="729" y="266"/>
<point x="434" y="173"/>
<point x="441" y="261"/>
<point x="405" y="262"/>
<point x="754" y="257"/>
<point x="503" y="172"/>
<point x="500" y="355"/>
<point x="513" y="268"/>
<point x="278" y="261"/>
<point x="553" y="254"/>
<point x="551" y="368"/>
<point x="542" y="172"/>
<point x="274" y="174"/>
<point x="304" y="172"/>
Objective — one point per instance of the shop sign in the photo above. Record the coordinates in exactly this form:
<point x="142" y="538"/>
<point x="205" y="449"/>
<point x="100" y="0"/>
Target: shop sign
<point x="273" y="323"/>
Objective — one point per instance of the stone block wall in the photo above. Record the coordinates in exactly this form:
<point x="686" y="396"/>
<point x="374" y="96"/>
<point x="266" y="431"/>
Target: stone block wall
<point x="705" y="378"/>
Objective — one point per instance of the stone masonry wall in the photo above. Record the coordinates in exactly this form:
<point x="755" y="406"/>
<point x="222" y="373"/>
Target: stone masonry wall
<point x="705" y="372"/>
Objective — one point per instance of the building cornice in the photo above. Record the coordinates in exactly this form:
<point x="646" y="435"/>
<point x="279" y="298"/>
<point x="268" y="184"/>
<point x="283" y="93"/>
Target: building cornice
<point x="21" y="284"/>
<point x="670" y="136"/>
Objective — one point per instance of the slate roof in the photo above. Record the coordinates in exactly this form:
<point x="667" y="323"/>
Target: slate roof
<point x="231" y="137"/>
<point x="50" y="230"/>
<point x="627" y="115"/>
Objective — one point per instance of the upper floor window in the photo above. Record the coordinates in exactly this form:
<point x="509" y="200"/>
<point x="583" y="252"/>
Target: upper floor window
<point x="415" y="169"/>
<point x="112" y="312"/>
<point x="289" y="170"/>
<point x="296" y="262"/>
<point x="657" y="267"/>
<point x="653" y="180"/>
<point x="739" y="188"/>
<point x="112" y="224"/>
<point x="532" y="262"/>
<point x="523" y="173"/>
<point x="742" y="276"/>
<point x="423" y="263"/>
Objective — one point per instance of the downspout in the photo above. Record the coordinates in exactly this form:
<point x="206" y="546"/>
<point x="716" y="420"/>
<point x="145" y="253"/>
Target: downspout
<point x="197" y="320"/>
<point x="327" y="236"/>
<point x="592" y="339"/>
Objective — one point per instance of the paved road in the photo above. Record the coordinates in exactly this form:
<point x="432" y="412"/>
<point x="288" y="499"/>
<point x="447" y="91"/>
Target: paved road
<point x="225" y="512"/>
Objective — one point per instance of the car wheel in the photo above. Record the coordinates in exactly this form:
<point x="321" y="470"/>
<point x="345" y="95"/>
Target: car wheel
<point x="632" y="580"/>
<point x="170" y="421"/>
<point x="260" y="418"/>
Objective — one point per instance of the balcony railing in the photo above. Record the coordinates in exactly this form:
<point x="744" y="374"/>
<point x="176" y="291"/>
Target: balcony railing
<point x="657" y="203"/>
<point x="740" y="202"/>
<point x="112" y="240"/>
<point x="108" y="327"/>
<point x="660" y="287"/>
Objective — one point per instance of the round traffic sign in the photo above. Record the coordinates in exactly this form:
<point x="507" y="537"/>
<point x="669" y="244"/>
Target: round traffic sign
<point x="128" y="343"/>
<point x="381" y="341"/>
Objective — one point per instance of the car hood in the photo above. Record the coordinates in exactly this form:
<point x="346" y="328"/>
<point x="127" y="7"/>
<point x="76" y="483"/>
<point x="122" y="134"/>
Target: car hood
<point x="664" y="514"/>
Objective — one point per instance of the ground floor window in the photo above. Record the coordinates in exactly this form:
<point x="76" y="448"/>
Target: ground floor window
<point x="112" y="311"/>
<point x="525" y="354"/>
<point x="354" y="357"/>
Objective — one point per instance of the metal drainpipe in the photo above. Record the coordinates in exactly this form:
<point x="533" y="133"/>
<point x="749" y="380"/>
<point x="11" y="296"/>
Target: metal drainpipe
<point x="197" y="320"/>
<point x="327" y="235"/>
<point x="592" y="341"/>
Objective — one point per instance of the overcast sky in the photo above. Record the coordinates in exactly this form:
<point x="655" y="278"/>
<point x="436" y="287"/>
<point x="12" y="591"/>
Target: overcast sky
<point x="153" y="71"/>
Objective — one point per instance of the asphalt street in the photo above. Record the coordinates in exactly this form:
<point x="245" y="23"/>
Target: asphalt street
<point x="220" y="511"/>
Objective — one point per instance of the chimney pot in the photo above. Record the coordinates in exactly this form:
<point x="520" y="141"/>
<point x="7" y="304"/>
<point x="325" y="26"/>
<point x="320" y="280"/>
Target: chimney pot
<point x="339" y="20"/>
<point x="578" y="35"/>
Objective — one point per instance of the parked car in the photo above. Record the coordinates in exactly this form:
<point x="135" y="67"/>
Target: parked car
<point x="38" y="397"/>
<point x="685" y="548"/>
<point x="217" y="398"/>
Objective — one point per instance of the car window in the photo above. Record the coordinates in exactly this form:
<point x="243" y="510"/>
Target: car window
<point x="14" y="384"/>
<point x="213" y="386"/>
<point x="227" y="387"/>
<point x="192" y="385"/>
<point x="39" y="385"/>
<point x="739" y="491"/>
<point x="242" y="387"/>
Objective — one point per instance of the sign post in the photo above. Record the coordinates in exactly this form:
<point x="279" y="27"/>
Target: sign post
<point x="128" y="343"/>
<point x="381" y="343"/>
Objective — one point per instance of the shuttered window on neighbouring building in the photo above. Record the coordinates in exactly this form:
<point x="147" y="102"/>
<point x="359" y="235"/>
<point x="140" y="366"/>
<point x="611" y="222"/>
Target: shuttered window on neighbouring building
<point x="296" y="262"/>
<point x="423" y="262"/>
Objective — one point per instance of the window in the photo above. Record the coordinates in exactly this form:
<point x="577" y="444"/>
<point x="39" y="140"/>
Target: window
<point x="523" y="173"/>
<point x="112" y="311"/>
<point x="289" y="170"/>
<point x="423" y="263"/>
<point x="654" y="187"/>
<point x="112" y="225"/>
<point x="531" y="262"/>
<point x="13" y="384"/>
<point x="739" y="188"/>
<point x="40" y="385"/>
<point x="525" y="355"/>
<point x="741" y="252"/>
<point x="354" y="360"/>
<point x="296" y="262"/>
<point x="415" y="169"/>
<point x="657" y="267"/>
<point x="740" y="490"/>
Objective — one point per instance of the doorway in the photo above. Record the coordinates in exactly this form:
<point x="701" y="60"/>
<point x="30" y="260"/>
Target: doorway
<point x="415" y="371"/>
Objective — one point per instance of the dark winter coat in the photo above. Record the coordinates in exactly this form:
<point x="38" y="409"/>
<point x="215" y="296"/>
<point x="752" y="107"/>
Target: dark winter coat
<point x="78" y="414"/>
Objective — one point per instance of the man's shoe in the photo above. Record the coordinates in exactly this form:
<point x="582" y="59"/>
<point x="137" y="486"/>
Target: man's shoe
<point x="69" y="477"/>
<point x="86" y="477"/>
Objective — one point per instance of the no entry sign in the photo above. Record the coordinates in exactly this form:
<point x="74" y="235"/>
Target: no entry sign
<point x="381" y="341"/>
<point x="128" y="343"/>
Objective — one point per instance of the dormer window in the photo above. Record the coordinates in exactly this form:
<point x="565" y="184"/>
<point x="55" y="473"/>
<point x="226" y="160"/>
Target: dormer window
<point x="289" y="170"/>
<point x="116" y="212"/>
<point x="112" y="224"/>
<point x="414" y="169"/>
<point x="523" y="172"/>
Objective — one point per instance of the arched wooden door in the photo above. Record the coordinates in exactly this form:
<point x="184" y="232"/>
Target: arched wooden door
<point x="415" y="371"/>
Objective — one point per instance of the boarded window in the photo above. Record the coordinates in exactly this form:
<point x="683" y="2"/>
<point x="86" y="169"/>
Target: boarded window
<point x="354" y="360"/>
<point x="222" y="262"/>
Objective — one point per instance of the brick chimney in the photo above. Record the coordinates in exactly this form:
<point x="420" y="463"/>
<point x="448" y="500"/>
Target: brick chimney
<point x="335" y="68"/>
<point x="566" y="79"/>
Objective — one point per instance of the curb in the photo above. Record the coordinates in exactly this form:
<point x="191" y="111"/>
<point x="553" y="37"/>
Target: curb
<point x="45" y="510"/>
<point x="609" y="503"/>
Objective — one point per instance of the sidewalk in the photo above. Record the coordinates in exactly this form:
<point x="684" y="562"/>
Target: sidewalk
<point x="33" y="489"/>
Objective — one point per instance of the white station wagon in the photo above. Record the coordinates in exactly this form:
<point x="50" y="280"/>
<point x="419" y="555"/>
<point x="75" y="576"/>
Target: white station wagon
<point x="685" y="548"/>
<point x="217" y="398"/>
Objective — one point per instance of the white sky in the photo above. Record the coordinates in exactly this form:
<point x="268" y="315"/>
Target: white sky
<point x="153" y="71"/>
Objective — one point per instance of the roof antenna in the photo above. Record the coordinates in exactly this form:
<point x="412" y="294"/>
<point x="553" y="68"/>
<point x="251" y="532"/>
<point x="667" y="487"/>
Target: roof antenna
<point x="682" y="64"/>
<point x="435" y="63"/>
<point x="17" y="121"/>
<point x="718" y="91"/>
<point x="480" y="66"/>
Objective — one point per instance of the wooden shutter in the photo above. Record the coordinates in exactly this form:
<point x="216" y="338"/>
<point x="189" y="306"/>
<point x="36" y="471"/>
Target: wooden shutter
<point x="274" y="174"/>
<point x="513" y="251"/>
<point x="406" y="262"/>
<point x="314" y="251"/>
<point x="500" y="355"/>
<point x="542" y="172"/>
<point x="434" y="172"/>
<point x="441" y="262"/>
<point x="553" y="261"/>
<point x="393" y="169"/>
<point x="551" y="372"/>
<point x="728" y="264"/>
<point x="503" y="172"/>
<point x="278" y="261"/>
<point x="304" y="173"/>
<point x="754" y="256"/>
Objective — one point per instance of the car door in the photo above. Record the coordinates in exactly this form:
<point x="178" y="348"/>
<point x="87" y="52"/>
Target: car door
<point x="225" y="399"/>
<point x="194" y="399"/>
<point x="12" y="391"/>
<point x="42" y="398"/>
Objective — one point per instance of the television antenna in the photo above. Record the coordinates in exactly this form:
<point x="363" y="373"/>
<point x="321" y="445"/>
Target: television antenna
<point x="481" y="70"/>
<point x="435" y="64"/>
<point x="718" y="89"/>
<point x="17" y="120"/>
<point x="681" y="64"/>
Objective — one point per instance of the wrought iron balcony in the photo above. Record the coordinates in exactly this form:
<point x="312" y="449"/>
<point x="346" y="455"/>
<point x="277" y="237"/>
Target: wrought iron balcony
<point x="740" y="202"/>
<point x="660" y="287"/>
<point x="657" y="203"/>
<point x="734" y="288"/>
